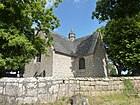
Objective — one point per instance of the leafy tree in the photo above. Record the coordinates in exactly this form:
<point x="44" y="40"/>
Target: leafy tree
<point x="123" y="45"/>
<point x="20" y="22"/>
<point x="115" y="9"/>
<point x="121" y="33"/>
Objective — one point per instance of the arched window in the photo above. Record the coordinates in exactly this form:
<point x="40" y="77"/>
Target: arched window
<point x="81" y="63"/>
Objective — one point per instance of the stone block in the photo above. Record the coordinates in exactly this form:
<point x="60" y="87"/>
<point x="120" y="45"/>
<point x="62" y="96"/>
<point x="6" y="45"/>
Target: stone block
<point x="41" y="91"/>
<point x="98" y="88"/>
<point x="79" y="100"/>
<point x="87" y="83"/>
<point x="71" y="81"/>
<point x="31" y="92"/>
<point x="92" y="83"/>
<point x="31" y="79"/>
<point x="121" y="86"/>
<point x="11" y="89"/>
<point x="73" y="87"/>
<point x="104" y="83"/>
<point x="31" y="85"/>
<point x="42" y="84"/>
<point x="54" y="89"/>
<point x="1" y="84"/>
<point x="98" y="82"/>
<point x="44" y="98"/>
<point x="21" y="90"/>
<point x="10" y="100"/>
<point x="104" y="88"/>
<point x="58" y="82"/>
<point x="28" y="100"/>
<point x="110" y="88"/>
<point x="1" y="90"/>
<point x="2" y="99"/>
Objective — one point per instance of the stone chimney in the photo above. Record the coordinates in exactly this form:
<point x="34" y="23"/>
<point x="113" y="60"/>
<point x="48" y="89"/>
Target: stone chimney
<point x="72" y="35"/>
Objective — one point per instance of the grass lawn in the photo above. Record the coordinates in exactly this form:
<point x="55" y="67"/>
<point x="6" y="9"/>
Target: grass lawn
<point x="114" y="99"/>
<point x="104" y="99"/>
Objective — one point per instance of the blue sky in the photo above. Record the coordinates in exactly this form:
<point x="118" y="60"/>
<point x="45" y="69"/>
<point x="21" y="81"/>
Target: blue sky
<point x="76" y="14"/>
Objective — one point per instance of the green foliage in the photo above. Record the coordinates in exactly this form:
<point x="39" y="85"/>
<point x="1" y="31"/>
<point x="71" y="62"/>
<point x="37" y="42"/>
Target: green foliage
<point x="20" y="22"/>
<point x="115" y="99"/>
<point x="122" y="39"/>
<point x="15" y="49"/>
<point x="121" y="34"/>
<point x="115" y="9"/>
<point x="129" y="88"/>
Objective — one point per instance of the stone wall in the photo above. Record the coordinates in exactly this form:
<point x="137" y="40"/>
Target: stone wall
<point x="35" y="68"/>
<point x="62" y="65"/>
<point x="15" y="91"/>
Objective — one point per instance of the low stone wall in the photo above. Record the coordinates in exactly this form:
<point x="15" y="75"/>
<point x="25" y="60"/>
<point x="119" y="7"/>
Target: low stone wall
<point x="43" y="90"/>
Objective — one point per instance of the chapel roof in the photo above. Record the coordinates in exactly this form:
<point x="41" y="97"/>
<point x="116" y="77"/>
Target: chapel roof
<point x="79" y="47"/>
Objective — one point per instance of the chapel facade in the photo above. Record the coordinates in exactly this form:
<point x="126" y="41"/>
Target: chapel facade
<point x="71" y="57"/>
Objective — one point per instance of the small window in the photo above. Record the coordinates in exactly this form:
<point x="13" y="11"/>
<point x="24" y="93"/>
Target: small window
<point x="81" y="63"/>
<point x="38" y="58"/>
<point x="44" y="73"/>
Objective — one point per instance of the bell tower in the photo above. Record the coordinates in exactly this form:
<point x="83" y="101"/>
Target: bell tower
<point x="71" y="35"/>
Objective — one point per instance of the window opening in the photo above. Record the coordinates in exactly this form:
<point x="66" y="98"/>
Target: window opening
<point x="38" y="58"/>
<point x="44" y="73"/>
<point x="81" y="63"/>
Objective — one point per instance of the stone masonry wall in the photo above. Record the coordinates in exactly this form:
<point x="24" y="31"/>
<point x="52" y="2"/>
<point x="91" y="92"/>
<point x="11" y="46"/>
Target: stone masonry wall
<point x="37" y="68"/>
<point x="62" y="66"/>
<point x="17" y="91"/>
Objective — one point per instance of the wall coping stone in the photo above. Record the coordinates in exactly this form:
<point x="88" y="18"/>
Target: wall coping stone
<point x="40" y="79"/>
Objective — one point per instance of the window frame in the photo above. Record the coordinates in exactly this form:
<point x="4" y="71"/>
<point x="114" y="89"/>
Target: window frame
<point x="82" y="63"/>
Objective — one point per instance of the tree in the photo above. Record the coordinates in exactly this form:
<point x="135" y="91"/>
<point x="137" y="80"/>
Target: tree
<point x="115" y="9"/>
<point x="20" y="22"/>
<point x="122" y="32"/>
<point x="123" y="45"/>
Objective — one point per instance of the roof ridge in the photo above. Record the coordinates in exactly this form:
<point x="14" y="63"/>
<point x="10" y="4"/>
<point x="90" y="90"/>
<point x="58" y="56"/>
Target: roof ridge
<point x="96" y="40"/>
<point x="84" y="37"/>
<point x="62" y="36"/>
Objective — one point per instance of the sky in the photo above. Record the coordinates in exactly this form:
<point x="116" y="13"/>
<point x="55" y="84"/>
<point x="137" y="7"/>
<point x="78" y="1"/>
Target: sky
<point x="76" y="14"/>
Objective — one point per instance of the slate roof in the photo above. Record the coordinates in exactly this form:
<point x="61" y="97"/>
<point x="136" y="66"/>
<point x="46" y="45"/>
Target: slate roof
<point x="79" y="47"/>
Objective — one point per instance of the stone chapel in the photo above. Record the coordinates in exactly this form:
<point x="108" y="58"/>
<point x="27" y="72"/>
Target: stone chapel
<point x="71" y="57"/>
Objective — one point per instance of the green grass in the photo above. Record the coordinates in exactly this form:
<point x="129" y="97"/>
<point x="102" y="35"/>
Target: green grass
<point x="103" y="99"/>
<point x="115" y="99"/>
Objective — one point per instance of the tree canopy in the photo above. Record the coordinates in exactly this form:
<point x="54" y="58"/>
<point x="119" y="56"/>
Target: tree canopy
<point x="20" y="22"/>
<point x="115" y="9"/>
<point x="121" y="33"/>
